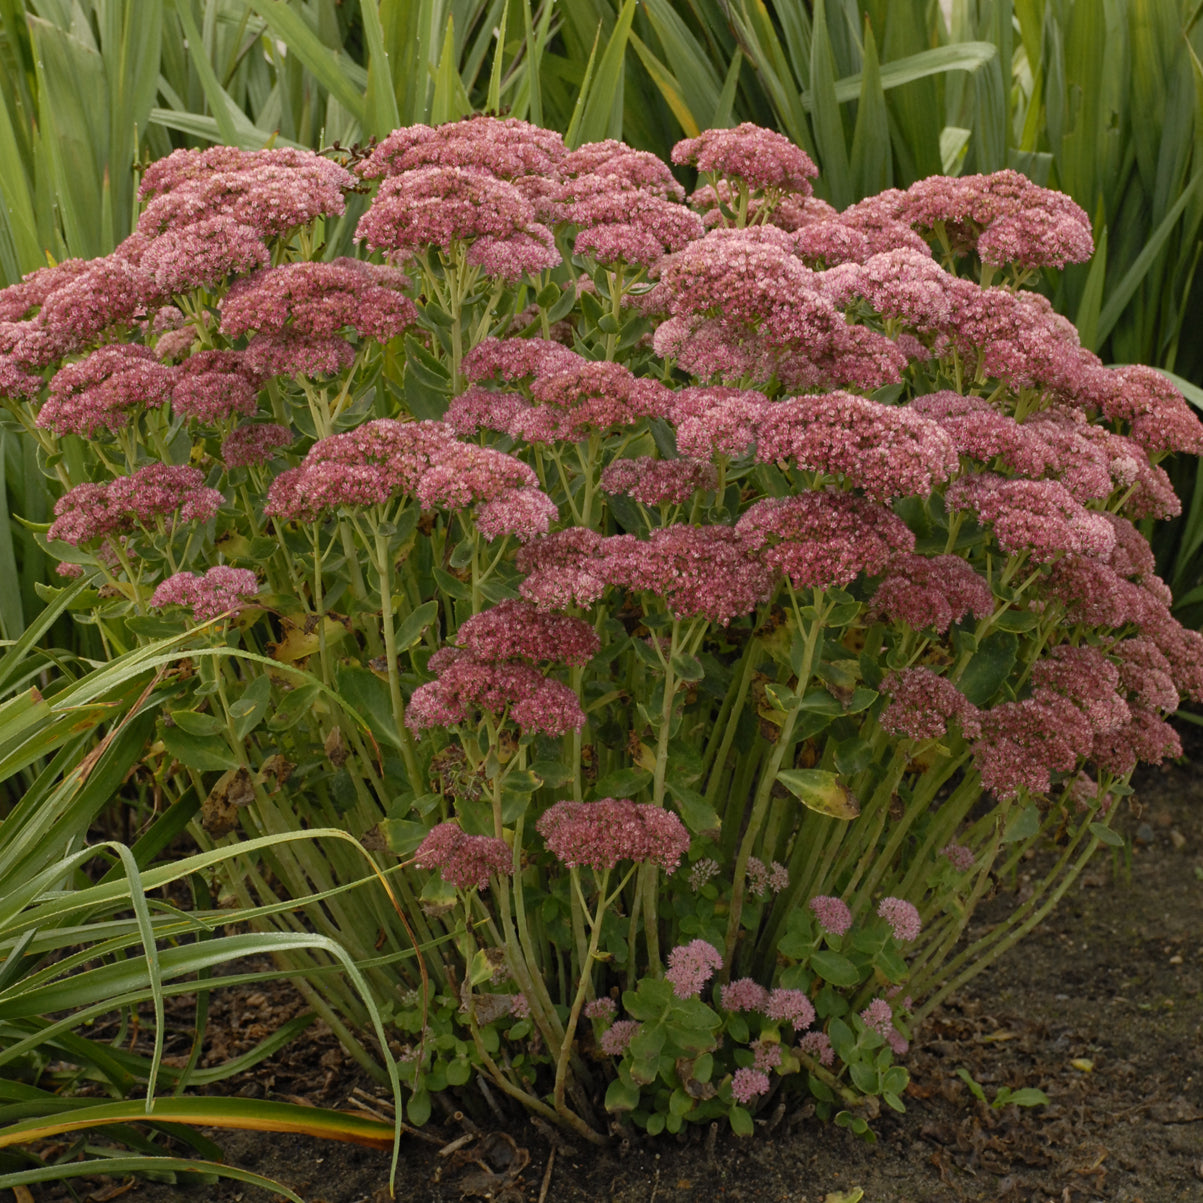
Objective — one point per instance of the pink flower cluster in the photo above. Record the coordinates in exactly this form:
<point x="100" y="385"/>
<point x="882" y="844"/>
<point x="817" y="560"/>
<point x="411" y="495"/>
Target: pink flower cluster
<point x="760" y="158"/>
<point x="691" y="966"/>
<point x="902" y="917"/>
<point x="317" y="300"/>
<point x="465" y="685"/>
<point x="570" y="397"/>
<point x="254" y="443"/>
<point x="822" y="539"/>
<point x="1004" y="217"/>
<point x="923" y="703"/>
<point x="931" y="592"/>
<point x="97" y="393"/>
<point x="217" y="591"/>
<point x="832" y="913"/>
<point x="388" y="458"/>
<point x="449" y="207"/>
<point x="741" y="307"/>
<point x="600" y="834"/>
<point x="94" y="511"/>
<point x="466" y="861"/>
<point x="519" y="630"/>
<point x="659" y="481"/>
<point x="271" y="192"/>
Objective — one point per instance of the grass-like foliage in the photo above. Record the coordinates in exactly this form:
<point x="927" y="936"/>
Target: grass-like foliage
<point x="696" y="605"/>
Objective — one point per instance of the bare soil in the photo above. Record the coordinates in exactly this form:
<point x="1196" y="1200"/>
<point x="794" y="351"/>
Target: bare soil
<point x="1101" y="1008"/>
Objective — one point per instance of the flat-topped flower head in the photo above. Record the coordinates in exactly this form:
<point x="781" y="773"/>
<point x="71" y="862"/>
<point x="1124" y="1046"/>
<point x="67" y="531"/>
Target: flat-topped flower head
<point x="219" y="590"/>
<point x="902" y="917"/>
<point x="884" y="451"/>
<point x="514" y="360"/>
<point x="1145" y="738"/>
<point x="1088" y="679"/>
<point x="1039" y="517"/>
<point x="931" y="592"/>
<point x="213" y="386"/>
<point x="23" y="299"/>
<point x="1004" y="217"/>
<point x="614" y="166"/>
<point x="633" y="228"/>
<point x="616" y="1039"/>
<point x="743" y="994"/>
<point x="94" y="511"/>
<point x="320" y="299"/>
<point x="1022" y="744"/>
<point x="818" y="1046"/>
<point x="824" y="539"/>
<point x="108" y="292"/>
<point x="465" y="861"/>
<point x="878" y="1017"/>
<point x="466" y="685"/>
<point x="981" y="432"/>
<point x="748" y="1084"/>
<point x="1145" y="674"/>
<point x="793" y="1006"/>
<point x="1159" y="418"/>
<point x="203" y="254"/>
<point x="697" y="571"/>
<point x="658" y="481"/>
<point x="564" y="568"/>
<point x="254" y="443"/>
<point x="366" y="466"/>
<point x="504" y="147"/>
<point x="513" y="629"/>
<point x="273" y="192"/>
<point x="760" y="157"/>
<point x="691" y="966"/>
<point x="105" y="390"/>
<point x="923" y="703"/>
<point x="832" y="914"/>
<point x="288" y="354"/>
<point x="442" y="207"/>
<point x="601" y="834"/>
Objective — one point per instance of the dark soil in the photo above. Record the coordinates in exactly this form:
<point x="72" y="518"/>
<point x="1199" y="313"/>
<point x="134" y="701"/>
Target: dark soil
<point x="1101" y="1008"/>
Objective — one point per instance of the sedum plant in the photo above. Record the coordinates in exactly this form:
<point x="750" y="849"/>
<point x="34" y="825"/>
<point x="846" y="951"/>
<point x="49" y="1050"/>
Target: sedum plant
<point x="706" y="600"/>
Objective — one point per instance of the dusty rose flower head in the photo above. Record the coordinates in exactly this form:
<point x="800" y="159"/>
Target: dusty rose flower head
<point x="824" y="539"/>
<point x="318" y="300"/>
<point x="878" y="1017"/>
<point x="698" y="571"/>
<point x="104" y="390"/>
<point x="744" y="994"/>
<point x="768" y="1055"/>
<point x="658" y="482"/>
<point x="614" y="166"/>
<point x="466" y="685"/>
<point x="21" y="300"/>
<point x="93" y="511"/>
<point x="691" y="966"/>
<point x="616" y="1039"/>
<point x="218" y="590"/>
<point x="1159" y="418"/>
<point x="922" y="703"/>
<point x="988" y="435"/>
<point x="761" y="158"/>
<point x="446" y="206"/>
<point x="203" y="253"/>
<point x="254" y="443"/>
<point x="466" y="861"/>
<point x="902" y="917"/>
<point x="1146" y="674"/>
<point x="565" y="568"/>
<point x="1022" y="744"/>
<point x="793" y="1006"/>
<point x="832" y="913"/>
<point x="601" y="1008"/>
<point x="1145" y="737"/>
<point x="1087" y="678"/>
<point x="289" y="355"/>
<point x="212" y="386"/>
<point x="636" y="228"/>
<point x="1004" y="217"/>
<point x="818" y="1046"/>
<point x="519" y="630"/>
<point x="517" y="359"/>
<point x="1036" y="516"/>
<point x="600" y="834"/>
<point x="504" y="147"/>
<point x="271" y="191"/>
<point x="108" y="292"/>
<point x="748" y="1084"/>
<point x="763" y="879"/>
<point x="960" y="857"/>
<point x="931" y="592"/>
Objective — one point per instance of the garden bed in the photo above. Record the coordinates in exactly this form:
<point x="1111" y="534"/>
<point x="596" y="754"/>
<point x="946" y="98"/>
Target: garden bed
<point x="1101" y="1008"/>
